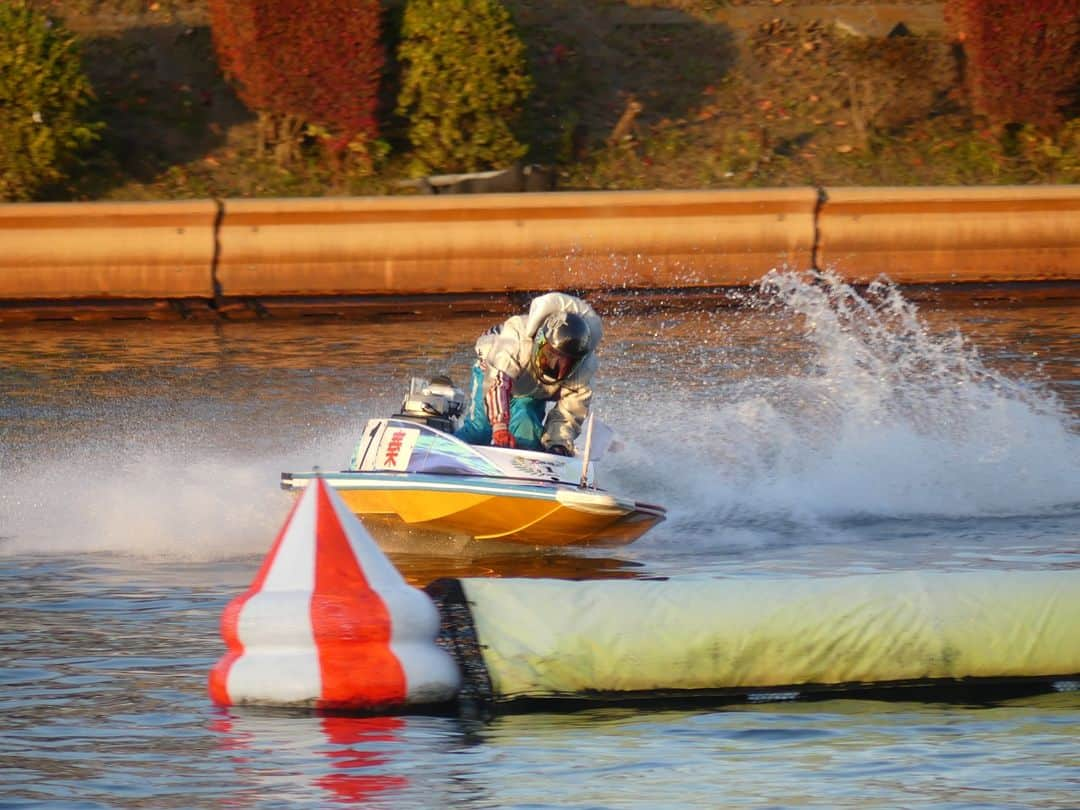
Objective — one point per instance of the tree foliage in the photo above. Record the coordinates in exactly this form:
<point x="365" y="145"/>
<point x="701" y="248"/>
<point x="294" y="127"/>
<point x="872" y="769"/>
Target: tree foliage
<point x="311" y="62"/>
<point x="45" y="101"/>
<point x="1022" y="59"/>
<point x="464" y="84"/>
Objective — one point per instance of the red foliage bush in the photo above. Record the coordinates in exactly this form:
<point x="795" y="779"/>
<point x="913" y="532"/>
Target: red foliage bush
<point x="1023" y="58"/>
<point x="317" y="60"/>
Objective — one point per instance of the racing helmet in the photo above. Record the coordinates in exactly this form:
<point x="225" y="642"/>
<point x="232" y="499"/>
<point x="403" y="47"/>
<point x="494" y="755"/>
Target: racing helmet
<point x="559" y="346"/>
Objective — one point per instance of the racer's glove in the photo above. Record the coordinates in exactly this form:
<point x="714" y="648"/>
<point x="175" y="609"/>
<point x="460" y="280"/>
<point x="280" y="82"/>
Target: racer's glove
<point x="559" y="450"/>
<point x="502" y="437"/>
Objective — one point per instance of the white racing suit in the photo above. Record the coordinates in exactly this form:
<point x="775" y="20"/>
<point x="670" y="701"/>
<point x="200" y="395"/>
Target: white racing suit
<point x="506" y="392"/>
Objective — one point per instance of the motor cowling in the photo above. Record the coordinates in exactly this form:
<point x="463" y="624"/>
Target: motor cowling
<point x="437" y="403"/>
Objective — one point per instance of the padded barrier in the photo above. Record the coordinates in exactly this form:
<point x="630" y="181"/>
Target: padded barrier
<point x="540" y="639"/>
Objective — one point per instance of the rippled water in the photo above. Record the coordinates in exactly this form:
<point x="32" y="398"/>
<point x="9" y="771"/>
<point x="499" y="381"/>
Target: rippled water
<point x="807" y="432"/>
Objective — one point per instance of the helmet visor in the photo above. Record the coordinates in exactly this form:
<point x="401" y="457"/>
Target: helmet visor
<point x="553" y="364"/>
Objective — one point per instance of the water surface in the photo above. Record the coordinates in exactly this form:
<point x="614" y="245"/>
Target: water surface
<point x="812" y="431"/>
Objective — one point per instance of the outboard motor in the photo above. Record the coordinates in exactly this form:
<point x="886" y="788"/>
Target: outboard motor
<point x="436" y="403"/>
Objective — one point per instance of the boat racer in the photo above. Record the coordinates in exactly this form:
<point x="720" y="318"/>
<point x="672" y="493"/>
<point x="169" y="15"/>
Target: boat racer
<point x="546" y="355"/>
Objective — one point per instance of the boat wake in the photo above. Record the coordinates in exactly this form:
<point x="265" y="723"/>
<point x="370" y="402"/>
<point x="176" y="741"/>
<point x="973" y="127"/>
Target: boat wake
<point x="154" y="497"/>
<point x="811" y="408"/>
<point x="879" y="418"/>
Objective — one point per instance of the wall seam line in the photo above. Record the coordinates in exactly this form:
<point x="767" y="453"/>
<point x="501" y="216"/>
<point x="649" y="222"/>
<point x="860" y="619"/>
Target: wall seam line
<point x="215" y="258"/>
<point x="815" y="250"/>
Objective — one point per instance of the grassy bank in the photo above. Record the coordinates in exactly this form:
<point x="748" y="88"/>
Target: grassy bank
<point x="636" y="94"/>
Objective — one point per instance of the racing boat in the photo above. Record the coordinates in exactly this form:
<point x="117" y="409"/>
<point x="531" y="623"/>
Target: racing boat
<point x="409" y="470"/>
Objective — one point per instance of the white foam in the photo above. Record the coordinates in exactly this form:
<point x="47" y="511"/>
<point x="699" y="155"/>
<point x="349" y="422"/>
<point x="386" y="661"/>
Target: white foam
<point x="814" y="403"/>
<point x="156" y="496"/>
<point x="884" y="418"/>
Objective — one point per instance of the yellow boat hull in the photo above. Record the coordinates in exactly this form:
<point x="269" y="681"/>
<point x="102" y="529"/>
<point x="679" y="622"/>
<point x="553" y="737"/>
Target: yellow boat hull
<point x="555" y="516"/>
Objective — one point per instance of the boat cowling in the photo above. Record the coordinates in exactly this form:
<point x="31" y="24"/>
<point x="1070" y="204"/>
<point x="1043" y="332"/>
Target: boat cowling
<point x="402" y="445"/>
<point x="437" y="403"/>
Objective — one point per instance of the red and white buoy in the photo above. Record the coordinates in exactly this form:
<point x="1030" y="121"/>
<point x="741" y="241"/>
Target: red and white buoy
<point x="329" y="622"/>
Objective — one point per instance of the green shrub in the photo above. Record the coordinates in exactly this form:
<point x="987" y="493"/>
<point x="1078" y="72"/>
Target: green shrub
<point x="464" y="84"/>
<point x="44" y="102"/>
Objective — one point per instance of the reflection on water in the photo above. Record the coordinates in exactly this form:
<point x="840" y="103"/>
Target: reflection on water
<point x="420" y="569"/>
<point x="872" y="754"/>
<point x="353" y="757"/>
<point x="359" y="744"/>
<point x="809" y="433"/>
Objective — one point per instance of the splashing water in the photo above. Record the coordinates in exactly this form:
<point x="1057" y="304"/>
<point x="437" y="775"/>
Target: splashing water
<point x="810" y="406"/>
<point x="884" y="418"/>
<point x="154" y="496"/>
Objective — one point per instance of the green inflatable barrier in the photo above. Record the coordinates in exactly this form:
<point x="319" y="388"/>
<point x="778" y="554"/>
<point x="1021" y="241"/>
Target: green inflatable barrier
<point x="541" y="639"/>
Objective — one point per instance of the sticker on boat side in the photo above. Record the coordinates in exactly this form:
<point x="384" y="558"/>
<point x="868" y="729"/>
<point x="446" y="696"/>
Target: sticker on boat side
<point x="395" y="448"/>
<point x="538" y="469"/>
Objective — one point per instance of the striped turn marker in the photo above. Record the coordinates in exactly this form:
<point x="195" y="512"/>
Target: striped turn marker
<point x="330" y="623"/>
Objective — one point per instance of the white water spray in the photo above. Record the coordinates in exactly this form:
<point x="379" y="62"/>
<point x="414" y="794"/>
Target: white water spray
<point x="811" y="406"/>
<point x="881" y="419"/>
<point x="155" y="497"/>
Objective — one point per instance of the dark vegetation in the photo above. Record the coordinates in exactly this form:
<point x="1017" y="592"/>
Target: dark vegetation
<point x="313" y="97"/>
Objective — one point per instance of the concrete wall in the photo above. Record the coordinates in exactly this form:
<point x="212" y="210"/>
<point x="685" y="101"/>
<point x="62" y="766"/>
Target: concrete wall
<point x="107" y="250"/>
<point x="496" y="243"/>
<point x="210" y="255"/>
<point x="931" y="235"/>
